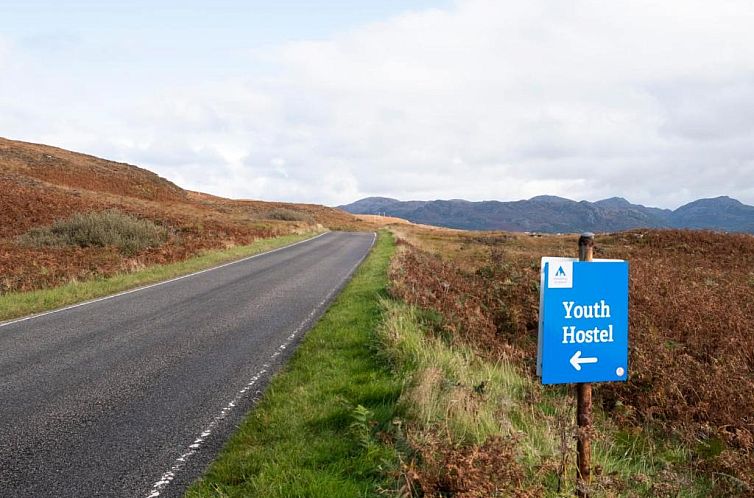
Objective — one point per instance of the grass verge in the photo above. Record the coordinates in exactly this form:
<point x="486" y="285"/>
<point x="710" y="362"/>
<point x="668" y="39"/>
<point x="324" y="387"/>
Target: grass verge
<point x="14" y="305"/>
<point x="315" y="433"/>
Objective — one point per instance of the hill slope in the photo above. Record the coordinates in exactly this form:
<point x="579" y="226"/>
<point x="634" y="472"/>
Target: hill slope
<point x="41" y="185"/>
<point x="557" y="214"/>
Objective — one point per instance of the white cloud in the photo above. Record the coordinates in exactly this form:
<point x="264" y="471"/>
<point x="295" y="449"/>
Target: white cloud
<point x="489" y="100"/>
<point x="4" y="51"/>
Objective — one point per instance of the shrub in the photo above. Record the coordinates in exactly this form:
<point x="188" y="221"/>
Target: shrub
<point x="99" y="229"/>
<point x="284" y="214"/>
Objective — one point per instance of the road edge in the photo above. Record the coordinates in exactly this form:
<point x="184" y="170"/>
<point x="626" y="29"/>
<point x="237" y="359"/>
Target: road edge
<point x="155" y="284"/>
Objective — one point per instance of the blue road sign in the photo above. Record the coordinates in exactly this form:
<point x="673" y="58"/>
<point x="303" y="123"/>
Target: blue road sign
<point x="583" y="334"/>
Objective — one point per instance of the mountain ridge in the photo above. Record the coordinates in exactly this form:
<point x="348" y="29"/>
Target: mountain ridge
<point x="553" y="214"/>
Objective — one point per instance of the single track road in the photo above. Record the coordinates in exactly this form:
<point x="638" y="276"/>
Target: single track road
<point x="133" y="395"/>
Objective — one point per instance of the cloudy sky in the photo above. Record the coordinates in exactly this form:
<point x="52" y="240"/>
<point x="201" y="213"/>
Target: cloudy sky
<point x="329" y="101"/>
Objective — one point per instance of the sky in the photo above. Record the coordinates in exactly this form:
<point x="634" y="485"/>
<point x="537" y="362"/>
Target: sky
<point x="331" y="101"/>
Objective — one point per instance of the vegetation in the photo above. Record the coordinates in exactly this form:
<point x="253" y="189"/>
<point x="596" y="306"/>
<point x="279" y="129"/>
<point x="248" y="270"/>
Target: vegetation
<point x="284" y="214"/>
<point x="681" y="426"/>
<point x="521" y="425"/>
<point x="165" y="224"/>
<point x="458" y="439"/>
<point x="127" y="233"/>
<point x="319" y="429"/>
<point x="16" y="304"/>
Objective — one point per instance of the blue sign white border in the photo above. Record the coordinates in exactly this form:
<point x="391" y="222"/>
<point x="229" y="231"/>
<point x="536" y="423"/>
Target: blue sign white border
<point x="549" y="262"/>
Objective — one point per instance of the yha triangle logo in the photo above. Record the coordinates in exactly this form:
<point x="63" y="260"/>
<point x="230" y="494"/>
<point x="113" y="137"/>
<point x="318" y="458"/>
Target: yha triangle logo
<point x="560" y="274"/>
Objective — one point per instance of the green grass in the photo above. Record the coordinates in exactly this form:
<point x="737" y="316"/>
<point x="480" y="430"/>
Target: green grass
<point x="314" y="433"/>
<point x="450" y="390"/>
<point x="13" y="305"/>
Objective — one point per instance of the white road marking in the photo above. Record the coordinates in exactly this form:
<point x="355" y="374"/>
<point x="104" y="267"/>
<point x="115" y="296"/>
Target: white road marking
<point x="180" y="462"/>
<point x="131" y="291"/>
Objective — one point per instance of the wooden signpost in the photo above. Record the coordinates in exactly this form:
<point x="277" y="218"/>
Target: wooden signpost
<point x="584" y="401"/>
<point x="583" y="334"/>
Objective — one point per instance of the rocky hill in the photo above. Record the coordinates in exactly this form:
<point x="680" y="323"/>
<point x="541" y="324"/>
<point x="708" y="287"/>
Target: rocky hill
<point x="556" y="214"/>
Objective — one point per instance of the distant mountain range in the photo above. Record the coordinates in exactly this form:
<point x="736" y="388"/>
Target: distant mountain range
<point x="548" y="213"/>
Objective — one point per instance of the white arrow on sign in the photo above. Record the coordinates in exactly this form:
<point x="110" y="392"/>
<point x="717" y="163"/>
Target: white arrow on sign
<point x="577" y="360"/>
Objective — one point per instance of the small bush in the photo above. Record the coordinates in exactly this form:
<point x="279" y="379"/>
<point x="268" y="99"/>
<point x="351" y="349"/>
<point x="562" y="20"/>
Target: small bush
<point x="284" y="214"/>
<point x="99" y="229"/>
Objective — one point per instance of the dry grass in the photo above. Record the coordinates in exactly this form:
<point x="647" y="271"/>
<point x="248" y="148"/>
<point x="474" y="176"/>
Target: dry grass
<point x="393" y="222"/>
<point x="43" y="186"/>
<point x="691" y="328"/>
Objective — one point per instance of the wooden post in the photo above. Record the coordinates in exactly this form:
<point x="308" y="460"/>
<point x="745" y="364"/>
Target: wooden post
<point x="584" y="402"/>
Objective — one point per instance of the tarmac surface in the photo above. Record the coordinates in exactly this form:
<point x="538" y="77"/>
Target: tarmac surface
<point x="133" y="395"/>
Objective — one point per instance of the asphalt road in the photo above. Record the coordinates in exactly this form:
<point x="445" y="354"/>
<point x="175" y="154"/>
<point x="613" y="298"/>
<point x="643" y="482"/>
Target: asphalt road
<point x="134" y="395"/>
